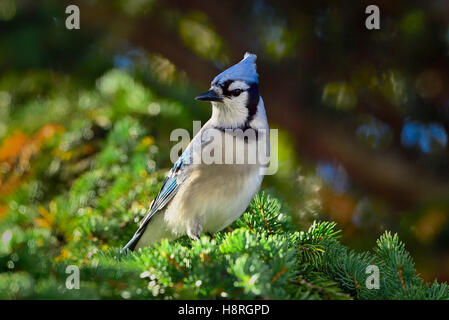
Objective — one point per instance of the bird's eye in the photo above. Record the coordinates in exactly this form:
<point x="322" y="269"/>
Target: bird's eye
<point x="236" y="92"/>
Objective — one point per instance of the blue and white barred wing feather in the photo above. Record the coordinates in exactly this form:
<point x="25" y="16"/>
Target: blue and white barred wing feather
<point x="170" y="187"/>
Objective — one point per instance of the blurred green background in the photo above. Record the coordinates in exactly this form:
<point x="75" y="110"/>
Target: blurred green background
<point x="363" y="114"/>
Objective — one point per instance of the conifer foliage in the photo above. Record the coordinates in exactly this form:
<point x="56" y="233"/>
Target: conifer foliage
<point x="259" y="256"/>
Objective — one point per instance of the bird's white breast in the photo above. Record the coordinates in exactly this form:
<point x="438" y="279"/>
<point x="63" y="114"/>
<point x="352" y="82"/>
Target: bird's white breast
<point x="214" y="195"/>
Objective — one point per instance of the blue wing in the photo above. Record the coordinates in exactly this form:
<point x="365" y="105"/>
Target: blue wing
<point x="169" y="188"/>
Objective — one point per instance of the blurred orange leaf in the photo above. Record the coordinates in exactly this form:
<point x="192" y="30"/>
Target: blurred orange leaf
<point x="12" y="145"/>
<point x="17" y="151"/>
<point x="47" y="219"/>
<point x="65" y="254"/>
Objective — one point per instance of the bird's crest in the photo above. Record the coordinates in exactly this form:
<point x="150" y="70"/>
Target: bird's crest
<point x="245" y="70"/>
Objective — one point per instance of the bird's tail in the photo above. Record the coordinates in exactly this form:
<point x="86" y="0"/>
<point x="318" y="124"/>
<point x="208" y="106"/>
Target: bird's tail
<point x="131" y="245"/>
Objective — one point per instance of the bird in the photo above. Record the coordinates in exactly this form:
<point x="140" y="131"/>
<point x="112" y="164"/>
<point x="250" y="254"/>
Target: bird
<point x="198" y="197"/>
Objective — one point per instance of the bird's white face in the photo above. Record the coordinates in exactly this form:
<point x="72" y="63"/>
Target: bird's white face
<point x="234" y="103"/>
<point x="232" y="111"/>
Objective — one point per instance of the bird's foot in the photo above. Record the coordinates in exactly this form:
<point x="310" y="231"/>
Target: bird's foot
<point x="195" y="229"/>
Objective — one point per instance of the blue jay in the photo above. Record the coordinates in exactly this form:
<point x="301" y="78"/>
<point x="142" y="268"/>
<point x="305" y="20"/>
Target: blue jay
<point x="199" y="197"/>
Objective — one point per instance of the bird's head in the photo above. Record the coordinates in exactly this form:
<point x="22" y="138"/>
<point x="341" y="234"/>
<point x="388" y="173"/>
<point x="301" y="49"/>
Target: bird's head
<point x="234" y="94"/>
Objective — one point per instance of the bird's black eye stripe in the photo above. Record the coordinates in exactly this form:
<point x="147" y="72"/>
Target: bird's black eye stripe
<point x="227" y="92"/>
<point x="224" y="88"/>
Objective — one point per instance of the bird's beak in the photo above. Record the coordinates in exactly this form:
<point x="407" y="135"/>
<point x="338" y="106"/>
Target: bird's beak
<point x="210" y="95"/>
